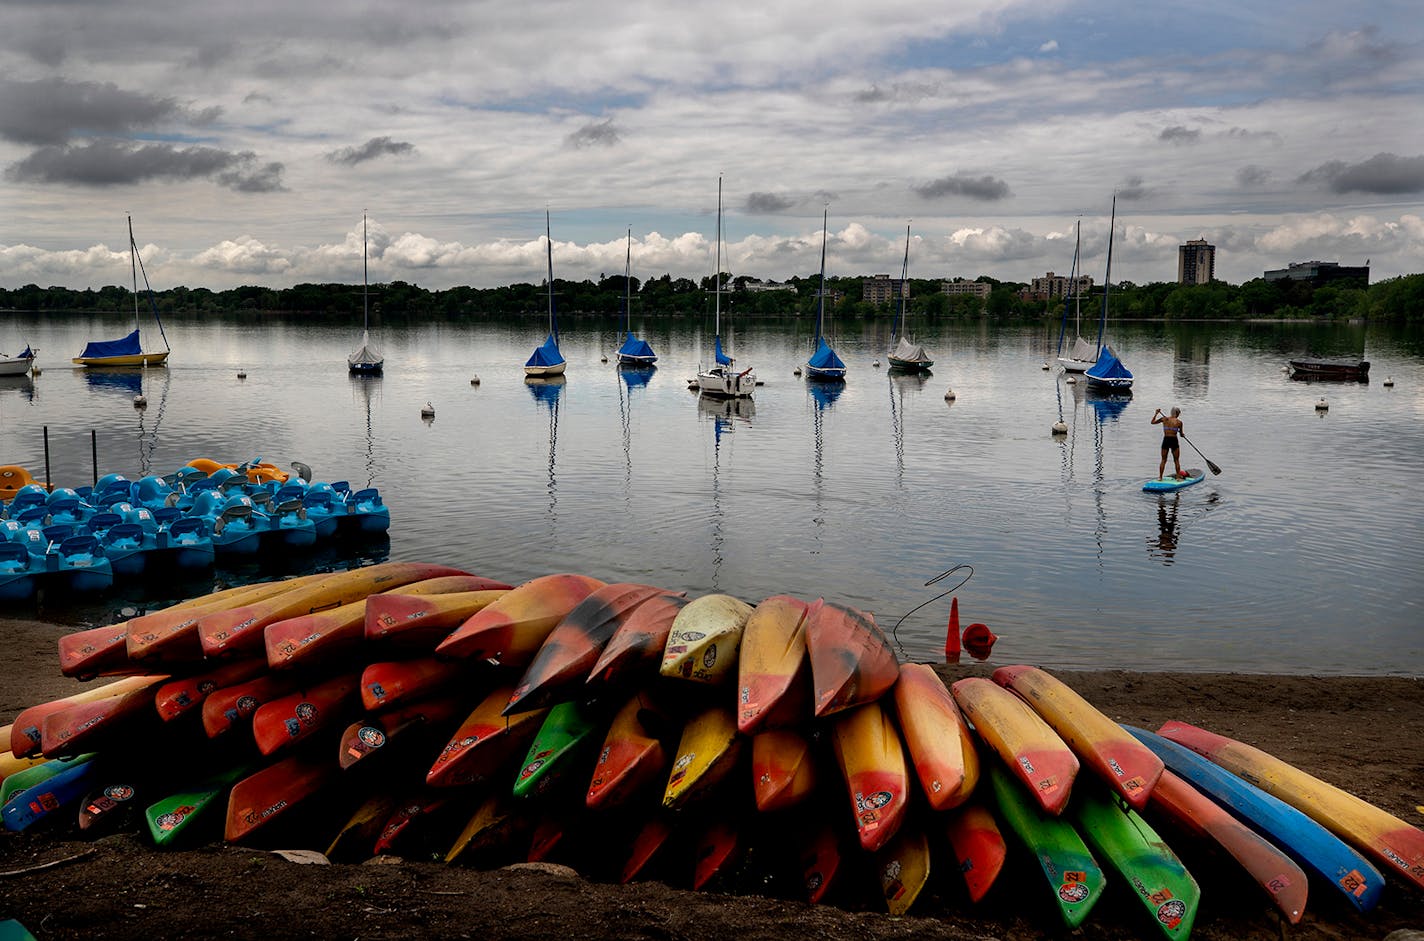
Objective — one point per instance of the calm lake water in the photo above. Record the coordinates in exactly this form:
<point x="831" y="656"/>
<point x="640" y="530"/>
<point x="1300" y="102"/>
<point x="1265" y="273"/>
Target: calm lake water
<point x="1305" y="556"/>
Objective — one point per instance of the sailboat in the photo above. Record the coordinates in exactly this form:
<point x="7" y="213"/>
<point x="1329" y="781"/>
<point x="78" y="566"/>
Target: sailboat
<point x="633" y="352"/>
<point x="1082" y="355"/>
<point x="547" y="360"/>
<point x="722" y="380"/>
<point x="905" y="354"/>
<point x="17" y="365"/>
<point x="128" y="351"/>
<point x="366" y="360"/>
<point x="824" y="364"/>
<point x="1108" y="372"/>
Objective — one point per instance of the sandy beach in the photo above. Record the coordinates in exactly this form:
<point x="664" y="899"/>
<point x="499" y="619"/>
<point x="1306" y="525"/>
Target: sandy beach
<point x="1363" y="734"/>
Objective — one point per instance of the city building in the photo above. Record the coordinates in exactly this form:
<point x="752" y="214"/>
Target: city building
<point x="758" y="286"/>
<point x="1319" y="272"/>
<point x="976" y="288"/>
<point x="1196" y="262"/>
<point x="1052" y="286"/>
<point x="882" y="289"/>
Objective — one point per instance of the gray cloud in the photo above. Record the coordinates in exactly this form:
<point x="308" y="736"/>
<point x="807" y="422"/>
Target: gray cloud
<point x="50" y="111"/>
<point x="599" y="133"/>
<point x="1252" y="176"/>
<point x="116" y="163"/>
<point x="985" y="188"/>
<point x="1382" y="174"/>
<point x="373" y="148"/>
<point x="1179" y="135"/>
<point x="899" y="91"/>
<point x="1133" y="188"/>
<point x="767" y="203"/>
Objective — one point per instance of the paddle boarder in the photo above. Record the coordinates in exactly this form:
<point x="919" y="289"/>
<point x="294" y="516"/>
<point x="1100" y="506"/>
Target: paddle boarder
<point x="1171" y="428"/>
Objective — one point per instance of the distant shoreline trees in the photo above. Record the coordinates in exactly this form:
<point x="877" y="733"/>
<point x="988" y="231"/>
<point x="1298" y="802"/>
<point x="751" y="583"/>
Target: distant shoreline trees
<point x="1397" y="299"/>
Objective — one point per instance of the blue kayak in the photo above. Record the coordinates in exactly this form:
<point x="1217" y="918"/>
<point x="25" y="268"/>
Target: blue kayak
<point x="1168" y="484"/>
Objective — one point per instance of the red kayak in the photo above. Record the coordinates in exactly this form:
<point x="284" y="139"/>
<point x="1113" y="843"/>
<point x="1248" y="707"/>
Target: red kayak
<point x="295" y="717"/>
<point x="224" y="708"/>
<point x="511" y="630"/>
<point x="635" y="650"/>
<point x="390" y="683"/>
<point x="419" y="622"/>
<point x="485" y="741"/>
<point x="260" y="798"/>
<point x="851" y="661"/>
<point x="179" y="697"/>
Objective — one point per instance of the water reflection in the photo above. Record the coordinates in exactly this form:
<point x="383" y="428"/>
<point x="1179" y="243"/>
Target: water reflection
<point x="547" y="390"/>
<point x="630" y="379"/>
<point x="823" y="397"/>
<point x="724" y="415"/>
<point x="22" y="386"/>
<point x="900" y="383"/>
<point x="364" y="387"/>
<point x="127" y="382"/>
<point x="148" y="425"/>
<point x="1163" y="546"/>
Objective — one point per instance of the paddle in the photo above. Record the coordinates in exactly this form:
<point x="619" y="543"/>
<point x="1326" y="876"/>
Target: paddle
<point x="1213" y="467"/>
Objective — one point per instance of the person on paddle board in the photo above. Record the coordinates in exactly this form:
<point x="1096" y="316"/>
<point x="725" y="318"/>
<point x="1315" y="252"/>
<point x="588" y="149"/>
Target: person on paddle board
<point x="1171" y="428"/>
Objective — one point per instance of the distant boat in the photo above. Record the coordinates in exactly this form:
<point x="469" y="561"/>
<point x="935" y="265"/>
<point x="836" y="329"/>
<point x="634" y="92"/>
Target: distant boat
<point x="824" y="364"/>
<point x="1357" y="370"/>
<point x="547" y="360"/>
<point x="721" y="379"/>
<point x="1082" y="355"/>
<point x="366" y="360"/>
<point x="633" y="352"/>
<point x="18" y="364"/>
<point x="1108" y="372"/>
<point x="905" y="354"/>
<point x="128" y="351"/>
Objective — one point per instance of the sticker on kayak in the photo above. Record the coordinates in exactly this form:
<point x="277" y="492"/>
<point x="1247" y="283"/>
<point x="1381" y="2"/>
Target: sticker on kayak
<point x="1171" y="913"/>
<point x="710" y="657"/>
<point x="1074" y="892"/>
<point x="371" y="737"/>
<point x="119" y="792"/>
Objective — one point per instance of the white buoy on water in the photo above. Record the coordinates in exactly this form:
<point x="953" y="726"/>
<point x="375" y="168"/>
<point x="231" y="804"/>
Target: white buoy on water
<point x="1071" y="380"/>
<point x="428" y="411"/>
<point x="949" y="395"/>
<point x="876" y="364"/>
<point x="1059" y="428"/>
<point x="796" y="371"/>
<point x="140" y="402"/>
<point x="1045" y="365"/>
<point x="474" y="380"/>
<point x="1389" y="382"/>
<point x="603" y="359"/>
<point x="242" y="374"/>
<point x="1322" y="405"/>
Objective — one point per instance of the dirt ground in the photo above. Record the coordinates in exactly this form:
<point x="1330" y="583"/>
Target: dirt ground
<point x="1363" y="734"/>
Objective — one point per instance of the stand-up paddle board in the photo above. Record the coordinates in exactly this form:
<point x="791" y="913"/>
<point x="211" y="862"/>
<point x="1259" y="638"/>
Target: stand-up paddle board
<point x="1195" y="475"/>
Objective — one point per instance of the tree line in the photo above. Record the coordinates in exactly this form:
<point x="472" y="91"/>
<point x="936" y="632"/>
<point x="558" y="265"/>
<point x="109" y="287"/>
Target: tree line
<point x="1396" y="299"/>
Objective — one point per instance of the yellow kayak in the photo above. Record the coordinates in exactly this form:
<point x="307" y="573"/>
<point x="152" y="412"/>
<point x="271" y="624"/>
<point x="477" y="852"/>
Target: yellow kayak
<point x="512" y="629"/>
<point x="773" y="672"/>
<point x="705" y="637"/>
<point x="706" y="754"/>
<point x="872" y="762"/>
<point x="903" y="867"/>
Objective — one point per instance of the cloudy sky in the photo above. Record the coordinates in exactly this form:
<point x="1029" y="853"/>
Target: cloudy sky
<point x="247" y="139"/>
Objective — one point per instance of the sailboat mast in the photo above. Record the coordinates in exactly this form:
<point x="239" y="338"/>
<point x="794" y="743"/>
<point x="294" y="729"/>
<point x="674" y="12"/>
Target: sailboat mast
<point x="628" y="285"/>
<point x="900" y="295"/>
<point x="365" y="286"/>
<point x="1107" y="277"/>
<point x="549" y="247"/>
<point x="717" y="274"/>
<point x="1072" y="293"/>
<point x="133" y="265"/>
<point x="821" y="296"/>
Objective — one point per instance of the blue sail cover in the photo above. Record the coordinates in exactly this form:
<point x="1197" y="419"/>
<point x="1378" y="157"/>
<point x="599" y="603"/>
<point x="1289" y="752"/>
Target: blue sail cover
<point x="546" y="355"/>
<point x="722" y="358"/>
<point x="1109" y="370"/>
<point x="128" y="346"/>
<point x="825" y="358"/>
<point x="637" y="348"/>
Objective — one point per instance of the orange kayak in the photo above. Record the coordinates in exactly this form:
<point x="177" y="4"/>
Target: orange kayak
<point x="225" y="708"/>
<point x="940" y="743"/>
<point x="389" y="683"/>
<point x="181" y="696"/>
<point x="422" y="621"/>
<point x="783" y="769"/>
<point x="631" y="758"/>
<point x="484" y="742"/>
<point x="632" y="654"/>
<point x="372" y="734"/>
<point x="571" y="649"/>
<point x="851" y="661"/>
<point x="872" y="762"/>
<point x="1033" y="752"/>
<point x="260" y="798"/>
<point x="27" y="731"/>
<point x="773" y="670"/>
<point x="240" y="630"/>
<point x="512" y="629"/>
<point x="82" y="726"/>
<point x="295" y="717"/>
<point x="172" y="634"/>
<point x="978" y="845"/>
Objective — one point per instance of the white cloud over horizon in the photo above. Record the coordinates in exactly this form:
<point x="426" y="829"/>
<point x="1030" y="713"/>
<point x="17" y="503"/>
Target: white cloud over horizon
<point x="247" y="142"/>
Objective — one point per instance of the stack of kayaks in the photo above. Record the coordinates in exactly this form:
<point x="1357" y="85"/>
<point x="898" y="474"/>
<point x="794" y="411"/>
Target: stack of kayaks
<point x="633" y="732"/>
<point x="86" y="539"/>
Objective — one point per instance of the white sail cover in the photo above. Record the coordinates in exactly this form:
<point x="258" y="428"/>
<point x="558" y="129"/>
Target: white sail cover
<point x="909" y="352"/>
<point x="1083" y="351"/>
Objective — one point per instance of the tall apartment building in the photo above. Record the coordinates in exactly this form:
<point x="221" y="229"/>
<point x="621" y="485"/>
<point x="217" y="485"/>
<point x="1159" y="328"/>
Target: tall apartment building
<point x="1196" y="262"/>
<point x="882" y="289"/>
